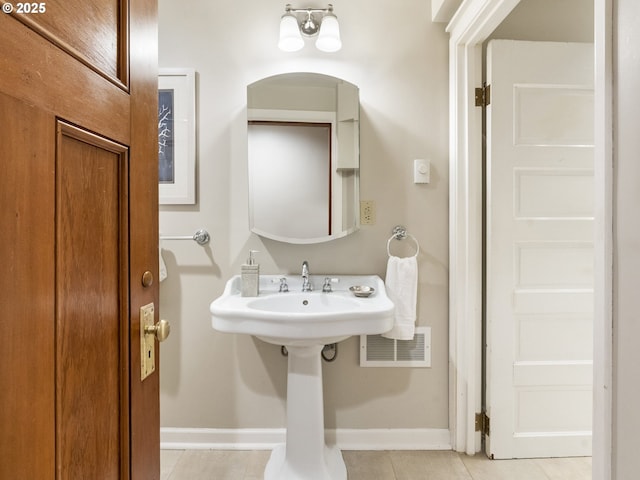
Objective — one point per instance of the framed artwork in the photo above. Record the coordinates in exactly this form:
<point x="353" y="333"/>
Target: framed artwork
<point x="177" y="136"/>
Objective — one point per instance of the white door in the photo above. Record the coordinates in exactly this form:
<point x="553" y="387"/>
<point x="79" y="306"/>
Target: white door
<point x="539" y="249"/>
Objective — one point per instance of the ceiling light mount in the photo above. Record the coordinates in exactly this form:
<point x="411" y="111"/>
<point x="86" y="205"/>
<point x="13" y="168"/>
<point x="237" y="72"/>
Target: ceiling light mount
<point x="310" y="26"/>
<point x="309" y="22"/>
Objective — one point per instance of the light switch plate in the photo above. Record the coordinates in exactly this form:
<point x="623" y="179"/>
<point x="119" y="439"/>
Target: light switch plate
<point x="421" y="171"/>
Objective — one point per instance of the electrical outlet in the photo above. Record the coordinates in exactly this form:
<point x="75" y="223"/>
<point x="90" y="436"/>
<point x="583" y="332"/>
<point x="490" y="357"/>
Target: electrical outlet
<point x="367" y="212"/>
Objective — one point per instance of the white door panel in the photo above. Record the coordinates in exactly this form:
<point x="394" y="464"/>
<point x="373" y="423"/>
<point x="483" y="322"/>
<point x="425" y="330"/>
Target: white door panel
<point x="553" y="115"/>
<point x="555" y="203"/>
<point x="539" y="249"/>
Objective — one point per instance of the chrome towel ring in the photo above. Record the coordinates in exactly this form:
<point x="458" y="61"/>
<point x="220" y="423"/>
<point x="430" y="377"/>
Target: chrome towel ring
<point x="400" y="233"/>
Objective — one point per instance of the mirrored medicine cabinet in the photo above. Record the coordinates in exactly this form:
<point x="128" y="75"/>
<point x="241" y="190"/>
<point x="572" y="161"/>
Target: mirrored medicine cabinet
<point x="304" y="161"/>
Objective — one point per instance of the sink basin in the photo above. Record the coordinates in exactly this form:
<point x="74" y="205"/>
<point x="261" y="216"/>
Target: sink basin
<point x="305" y="322"/>
<point x="312" y="303"/>
<point x="304" y="318"/>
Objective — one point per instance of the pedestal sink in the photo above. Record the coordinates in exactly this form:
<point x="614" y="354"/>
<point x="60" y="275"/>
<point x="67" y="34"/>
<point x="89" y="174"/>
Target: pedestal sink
<point x="304" y="322"/>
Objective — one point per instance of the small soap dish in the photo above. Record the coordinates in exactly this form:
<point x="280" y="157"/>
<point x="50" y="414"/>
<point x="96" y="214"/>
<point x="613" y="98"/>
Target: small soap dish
<point x="362" y="290"/>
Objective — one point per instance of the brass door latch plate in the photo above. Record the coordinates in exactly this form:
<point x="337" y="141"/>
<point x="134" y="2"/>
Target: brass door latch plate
<point x="147" y="342"/>
<point x="149" y="333"/>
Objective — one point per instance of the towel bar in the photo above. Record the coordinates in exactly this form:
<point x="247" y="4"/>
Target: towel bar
<point x="201" y="237"/>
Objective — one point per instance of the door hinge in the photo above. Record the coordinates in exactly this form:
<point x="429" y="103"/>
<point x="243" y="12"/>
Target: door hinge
<point x="483" y="96"/>
<point x="482" y="423"/>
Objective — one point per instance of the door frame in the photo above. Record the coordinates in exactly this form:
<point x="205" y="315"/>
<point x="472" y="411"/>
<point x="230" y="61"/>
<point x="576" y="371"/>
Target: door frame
<point x="470" y="26"/>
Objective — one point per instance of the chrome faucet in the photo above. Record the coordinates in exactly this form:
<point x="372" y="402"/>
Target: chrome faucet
<point x="306" y="285"/>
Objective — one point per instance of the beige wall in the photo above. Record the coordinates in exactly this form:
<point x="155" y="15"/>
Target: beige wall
<point x="399" y="59"/>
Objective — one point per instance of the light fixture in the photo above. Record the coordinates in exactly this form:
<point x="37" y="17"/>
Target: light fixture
<point x="312" y="21"/>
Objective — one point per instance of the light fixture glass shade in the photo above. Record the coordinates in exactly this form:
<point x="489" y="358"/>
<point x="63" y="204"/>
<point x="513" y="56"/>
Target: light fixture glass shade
<point x="290" y="37"/>
<point x="329" y="36"/>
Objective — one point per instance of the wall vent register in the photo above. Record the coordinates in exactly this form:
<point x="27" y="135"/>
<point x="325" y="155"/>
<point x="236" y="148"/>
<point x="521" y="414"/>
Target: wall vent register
<point x="378" y="351"/>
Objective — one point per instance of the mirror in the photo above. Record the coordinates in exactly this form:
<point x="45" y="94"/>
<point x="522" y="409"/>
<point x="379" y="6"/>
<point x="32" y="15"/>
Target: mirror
<point x="303" y="151"/>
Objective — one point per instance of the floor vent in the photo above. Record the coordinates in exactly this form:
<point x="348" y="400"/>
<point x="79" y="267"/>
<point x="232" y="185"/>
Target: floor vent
<point x="378" y="351"/>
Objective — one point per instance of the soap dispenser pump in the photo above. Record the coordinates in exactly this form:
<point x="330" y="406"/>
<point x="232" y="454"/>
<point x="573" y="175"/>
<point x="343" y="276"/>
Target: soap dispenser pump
<point x="250" y="276"/>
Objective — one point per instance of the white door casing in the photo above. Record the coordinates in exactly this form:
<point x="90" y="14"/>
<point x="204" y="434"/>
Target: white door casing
<point x="539" y="249"/>
<point x="471" y="25"/>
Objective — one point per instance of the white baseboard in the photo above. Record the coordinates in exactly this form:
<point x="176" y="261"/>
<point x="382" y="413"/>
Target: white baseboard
<point x="268" y="438"/>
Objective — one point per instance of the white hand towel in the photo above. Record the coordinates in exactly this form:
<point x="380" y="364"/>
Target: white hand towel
<point x="402" y="288"/>
<point x="163" y="267"/>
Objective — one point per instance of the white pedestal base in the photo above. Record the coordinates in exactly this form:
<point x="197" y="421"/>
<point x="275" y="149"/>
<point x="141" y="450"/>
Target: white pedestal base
<point x="305" y="455"/>
<point x="278" y="468"/>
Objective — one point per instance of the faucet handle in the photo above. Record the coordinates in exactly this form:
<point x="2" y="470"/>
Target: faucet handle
<point x="326" y="287"/>
<point x="284" y="287"/>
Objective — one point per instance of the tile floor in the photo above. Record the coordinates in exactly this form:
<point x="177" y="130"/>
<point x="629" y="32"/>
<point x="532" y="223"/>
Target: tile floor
<point x="376" y="465"/>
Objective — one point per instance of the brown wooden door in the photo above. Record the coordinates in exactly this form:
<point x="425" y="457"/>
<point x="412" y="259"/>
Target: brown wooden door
<point x="78" y="228"/>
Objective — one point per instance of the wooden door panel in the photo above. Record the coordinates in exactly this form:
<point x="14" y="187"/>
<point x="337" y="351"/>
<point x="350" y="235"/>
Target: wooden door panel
<point x="91" y="306"/>
<point x="58" y="83"/>
<point x="26" y="290"/>
<point x="93" y="31"/>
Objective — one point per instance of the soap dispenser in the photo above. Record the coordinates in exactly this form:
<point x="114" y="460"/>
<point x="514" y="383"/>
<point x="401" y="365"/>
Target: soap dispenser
<point x="250" y="276"/>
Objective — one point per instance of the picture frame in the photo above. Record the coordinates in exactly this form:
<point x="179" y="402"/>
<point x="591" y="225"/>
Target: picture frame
<point x="176" y="136"/>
